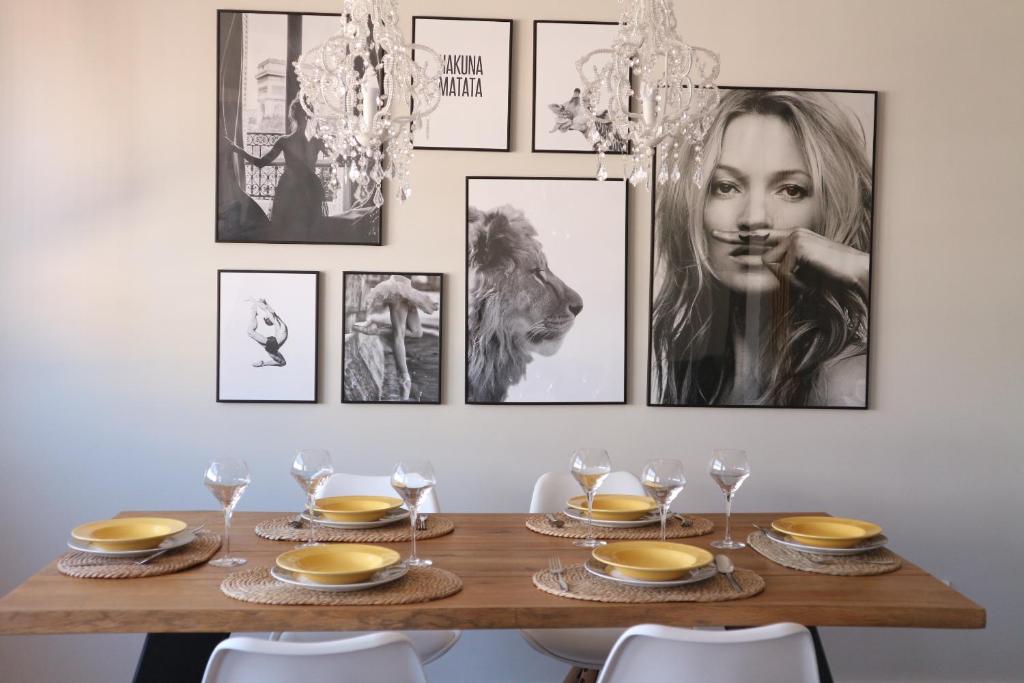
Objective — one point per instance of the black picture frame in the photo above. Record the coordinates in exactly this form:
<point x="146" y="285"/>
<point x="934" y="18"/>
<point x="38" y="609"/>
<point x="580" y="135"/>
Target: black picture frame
<point x="533" y="107"/>
<point x="316" y="334"/>
<point x="440" y="336"/>
<point x="220" y="150"/>
<point x="511" y="70"/>
<point x="625" y="284"/>
<point x="871" y="249"/>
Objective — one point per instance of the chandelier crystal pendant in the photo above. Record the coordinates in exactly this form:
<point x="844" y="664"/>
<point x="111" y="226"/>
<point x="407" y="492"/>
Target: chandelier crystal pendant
<point x="366" y="97"/>
<point x="675" y="93"/>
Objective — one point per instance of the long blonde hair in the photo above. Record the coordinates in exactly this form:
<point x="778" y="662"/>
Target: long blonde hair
<point x="690" y="308"/>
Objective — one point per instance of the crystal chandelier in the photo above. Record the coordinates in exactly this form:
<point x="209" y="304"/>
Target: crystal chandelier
<point x="675" y="93"/>
<point x="366" y="97"/>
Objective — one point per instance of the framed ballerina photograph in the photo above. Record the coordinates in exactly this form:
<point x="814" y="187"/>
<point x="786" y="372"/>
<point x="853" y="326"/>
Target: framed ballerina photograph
<point x="546" y="290"/>
<point x="475" y="111"/>
<point x="267" y="336"/>
<point x="274" y="178"/>
<point x="761" y="273"/>
<point x="391" y="351"/>
<point x="559" y="123"/>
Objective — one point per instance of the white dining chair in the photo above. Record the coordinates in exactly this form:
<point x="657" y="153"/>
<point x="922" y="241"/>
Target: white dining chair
<point x="777" y="653"/>
<point x="428" y="644"/>
<point x="586" y="648"/>
<point x="374" y="658"/>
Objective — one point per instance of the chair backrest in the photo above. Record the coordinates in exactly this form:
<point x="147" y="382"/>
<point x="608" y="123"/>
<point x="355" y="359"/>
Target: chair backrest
<point x="375" y="658"/>
<point x="554" y="488"/>
<point x="345" y="484"/>
<point x="778" y="653"/>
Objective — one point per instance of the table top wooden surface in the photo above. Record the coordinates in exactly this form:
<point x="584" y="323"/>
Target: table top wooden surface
<point x="495" y="555"/>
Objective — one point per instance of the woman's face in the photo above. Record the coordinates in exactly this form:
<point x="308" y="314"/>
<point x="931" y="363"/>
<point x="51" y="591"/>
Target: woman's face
<point x="761" y="184"/>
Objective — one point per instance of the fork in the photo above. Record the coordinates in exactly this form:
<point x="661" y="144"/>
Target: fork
<point x="158" y="553"/>
<point x="555" y="521"/>
<point x="421" y="523"/>
<point x="556" y="569"/>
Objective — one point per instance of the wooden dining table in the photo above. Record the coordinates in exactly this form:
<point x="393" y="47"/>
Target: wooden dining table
<point x="495" y="555"/>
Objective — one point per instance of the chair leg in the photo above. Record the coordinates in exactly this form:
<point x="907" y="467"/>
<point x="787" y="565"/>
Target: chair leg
<point x="578" y="675"/>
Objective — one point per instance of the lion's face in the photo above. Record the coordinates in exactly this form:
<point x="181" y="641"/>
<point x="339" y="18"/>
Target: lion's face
<point x="511" y="284"/>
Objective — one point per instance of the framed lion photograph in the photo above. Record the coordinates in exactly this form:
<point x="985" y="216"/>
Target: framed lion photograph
<point x="546" y="290"/>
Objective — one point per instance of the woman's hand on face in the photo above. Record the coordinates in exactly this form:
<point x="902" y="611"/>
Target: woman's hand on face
<point x="790" y="251"/>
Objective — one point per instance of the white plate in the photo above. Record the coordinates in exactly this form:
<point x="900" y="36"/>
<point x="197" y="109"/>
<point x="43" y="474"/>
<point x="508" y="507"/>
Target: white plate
<point x="653" y="518"/>
<point x="864" y="546"/>
<point x="169" y="543"/>
<point x="388" y="575"/>
<point x="396" y="516"/>
<point x="600" y="569"/>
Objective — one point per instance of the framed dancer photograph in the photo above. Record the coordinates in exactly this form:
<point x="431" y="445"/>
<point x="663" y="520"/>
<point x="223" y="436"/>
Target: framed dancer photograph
<point x="391" y="351"/>
<point x="274" y="180"/>
<point x="546" y="290"/>
<point x="475" y="112"/>
<point x="761" y="274"/>
<point x="267" y="336"/>
<point x="559" y="124"/>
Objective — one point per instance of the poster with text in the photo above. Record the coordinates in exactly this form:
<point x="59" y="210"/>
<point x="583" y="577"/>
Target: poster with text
<point x="476" y="62"/>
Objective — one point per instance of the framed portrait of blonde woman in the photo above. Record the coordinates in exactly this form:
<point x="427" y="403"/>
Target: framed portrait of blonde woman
<point x="761" y="258"/>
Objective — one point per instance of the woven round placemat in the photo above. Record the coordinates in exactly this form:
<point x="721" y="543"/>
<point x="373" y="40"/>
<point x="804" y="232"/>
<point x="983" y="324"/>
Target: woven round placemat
<point x="86" y="566"/>
<point x="421" y="584"/>
<point x="280" y="529"/>
<point x="585" y="586"/>
<point x="572" y="528"/>
<point x="880" y="561"/>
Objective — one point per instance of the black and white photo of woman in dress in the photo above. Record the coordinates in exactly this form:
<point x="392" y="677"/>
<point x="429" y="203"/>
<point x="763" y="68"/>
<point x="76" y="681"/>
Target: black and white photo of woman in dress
<point x="761" y="273"/>
<point x="392" y="347"/>
<point x="272" y="342"/>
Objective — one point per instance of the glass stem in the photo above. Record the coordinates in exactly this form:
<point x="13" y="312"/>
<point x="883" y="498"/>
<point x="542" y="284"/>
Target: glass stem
<point x="590" y="516"/>
<point x="227" y="532"/>
<point x="413" y="515"/>
<point x="312" y="521"/>
<point x="664" y="515"/>
<point x="728" y="513"/>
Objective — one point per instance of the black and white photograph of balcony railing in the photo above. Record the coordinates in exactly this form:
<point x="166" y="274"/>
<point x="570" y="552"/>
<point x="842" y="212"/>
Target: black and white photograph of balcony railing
<point x="273" y="177"/>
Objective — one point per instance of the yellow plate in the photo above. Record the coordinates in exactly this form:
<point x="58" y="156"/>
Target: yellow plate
<point x="128" y="533"/>
<point x="355" y="508"/>
<point x="615" y="506"/>
<point x="337" y="564"/>
<point x="652" y="560"/>
<point x="826" y="532"/>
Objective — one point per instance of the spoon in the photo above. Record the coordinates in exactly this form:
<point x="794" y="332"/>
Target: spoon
<point x="555" y="521"/>
<point x="725" y="566"/>
<point x="158" y="553"/>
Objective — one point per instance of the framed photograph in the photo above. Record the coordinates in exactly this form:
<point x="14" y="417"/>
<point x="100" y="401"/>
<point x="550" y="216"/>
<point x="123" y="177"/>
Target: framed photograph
<point x="559" y="124"/>
<point x="761" y="274"/>
<point x="267" y="336"/>
<point x="546" y="290"/>
<point x="475" y="112"/>
<point x="392" y="338"/>
<point x="274" y="181"/>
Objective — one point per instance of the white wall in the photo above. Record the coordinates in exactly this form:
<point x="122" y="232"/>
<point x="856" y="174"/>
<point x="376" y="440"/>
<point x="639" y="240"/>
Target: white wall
<point x="107" y="296"/>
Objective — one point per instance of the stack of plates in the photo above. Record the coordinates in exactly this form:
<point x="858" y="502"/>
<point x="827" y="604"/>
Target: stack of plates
<point x="827" y="535"/>
<point x="651" y="563"/>
<point x="357" y="512"/>
<point x="130" y="536"/>
<point x="615" y="510"/>
<point x="339" y="568"/>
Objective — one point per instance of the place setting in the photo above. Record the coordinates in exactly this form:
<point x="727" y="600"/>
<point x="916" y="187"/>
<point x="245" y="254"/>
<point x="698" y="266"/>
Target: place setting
<point x="649" y="571"/>
<point x="353" y="518"/>
<point x="318" y="573"/>
<point x="593" y="518"/>
<point x="825" y="545"/>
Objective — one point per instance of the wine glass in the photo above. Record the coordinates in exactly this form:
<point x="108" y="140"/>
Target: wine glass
<point x="227" y="480"/>
<point x="590" y="467"/>
<point x="663" y="480"/>
<point x="412" y="480"/>
<point x="729" y="468"/>
<point x="311" y="468"/>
